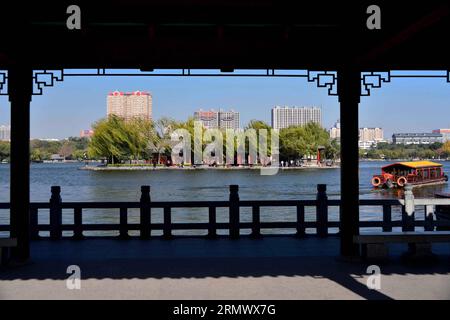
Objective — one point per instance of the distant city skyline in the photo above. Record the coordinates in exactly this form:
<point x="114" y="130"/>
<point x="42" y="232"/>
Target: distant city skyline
<point x="404" y="105"/>
<point x="368" y="137"/>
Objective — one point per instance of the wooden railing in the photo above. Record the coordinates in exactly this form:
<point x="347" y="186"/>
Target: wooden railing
<point x="234" y="226"/>
<point x="429" y="206"/>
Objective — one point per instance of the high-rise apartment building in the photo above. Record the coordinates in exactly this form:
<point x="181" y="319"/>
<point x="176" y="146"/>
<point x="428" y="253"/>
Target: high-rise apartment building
<point x="370" y="137"/>
<point x="218" y="119"/>
<point x="283" y="117"/>
<point x="129" y="105"/>
<point x="209" y="119"/>
<point x="335" y="131"/>
<point x="229" y="120"/>
<point x="371" y="134"/>
<point x="5" y="133"/>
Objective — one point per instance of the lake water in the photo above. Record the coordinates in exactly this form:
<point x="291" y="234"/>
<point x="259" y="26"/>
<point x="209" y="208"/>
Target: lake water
<point x="167" y="185"/>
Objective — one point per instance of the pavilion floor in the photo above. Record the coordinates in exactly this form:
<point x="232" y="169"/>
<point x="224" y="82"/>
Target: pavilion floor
<point x="193" y="268"/>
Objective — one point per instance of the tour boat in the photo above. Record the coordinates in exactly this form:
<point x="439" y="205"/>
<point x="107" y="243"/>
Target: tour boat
<point x="415" y="173"/>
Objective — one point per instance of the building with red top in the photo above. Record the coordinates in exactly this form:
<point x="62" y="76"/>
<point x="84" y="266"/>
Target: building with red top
<point x="129" y="105"/>
<point x="88" y="133"/>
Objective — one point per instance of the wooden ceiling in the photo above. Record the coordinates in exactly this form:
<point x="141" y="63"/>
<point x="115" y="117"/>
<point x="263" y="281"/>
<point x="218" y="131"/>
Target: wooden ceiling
<point x="228" y="34"/>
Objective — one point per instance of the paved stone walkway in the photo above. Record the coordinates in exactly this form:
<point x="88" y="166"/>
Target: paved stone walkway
<point x="192" y="268"/>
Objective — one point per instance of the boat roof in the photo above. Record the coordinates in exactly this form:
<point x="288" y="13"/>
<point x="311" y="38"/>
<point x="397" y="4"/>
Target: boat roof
<point x="415" y="164"/>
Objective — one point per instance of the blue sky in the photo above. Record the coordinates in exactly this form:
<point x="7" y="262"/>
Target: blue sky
<point x="403" y="105"/>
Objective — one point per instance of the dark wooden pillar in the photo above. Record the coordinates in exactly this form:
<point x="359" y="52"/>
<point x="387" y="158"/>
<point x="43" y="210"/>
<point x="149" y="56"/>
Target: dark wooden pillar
<point x="20" y="86"/>
<point x="349" y="89"/>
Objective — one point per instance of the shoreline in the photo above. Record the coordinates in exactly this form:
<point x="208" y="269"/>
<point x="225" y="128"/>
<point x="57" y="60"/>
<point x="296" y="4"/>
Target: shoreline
<point x="360" y="160"/>
<point x="150" y="168"/>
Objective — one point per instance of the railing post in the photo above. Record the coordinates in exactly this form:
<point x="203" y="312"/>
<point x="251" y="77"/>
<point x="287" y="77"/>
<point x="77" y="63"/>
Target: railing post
<point x="78" y="223"/>
<point x="408" y="209"/>
<point x="145" y="213"/>
<point x="429" y="210"/>
<point x="212" y="233"/>
<point x="55" y="213"/>
<point x="234" y="211"/>
<point x="300" y="221"/>
<point x="34" y="221"/>
<point x="167" y="230"/>
<point x="123" y="231"/>
<point x="256" y="222"/>
<point x="387" y="218"/>
<point x="322" y="210"/>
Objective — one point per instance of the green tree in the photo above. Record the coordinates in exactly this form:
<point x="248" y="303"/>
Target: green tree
<point x="46" y="147"/>
<point x="298" y="141"/>
<point x="66" y="149"/>
<point x="37" y="155"/>
<point x="189" y="125"/>
<point x="292" y="143"/>
<point x="118" y="140"/>
<point x="267" y="143"/>
<point x="400" y="151"/>
<point x="4" y="150"/>
<point x="446" y="148"/>
<point x="258" y="124"/>
<point x="109" y="139"/>
<point x="160" y="142"/>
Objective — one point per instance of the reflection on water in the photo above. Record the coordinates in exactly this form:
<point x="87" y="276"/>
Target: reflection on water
<point x="178" y="185"/>
<point x="419" y="192"/>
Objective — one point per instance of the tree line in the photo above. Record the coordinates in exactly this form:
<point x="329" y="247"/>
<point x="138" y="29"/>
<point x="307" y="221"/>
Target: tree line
<point x="399" y="151"/>
<point x="119" y="141"/>
<point x="72" y="148"/>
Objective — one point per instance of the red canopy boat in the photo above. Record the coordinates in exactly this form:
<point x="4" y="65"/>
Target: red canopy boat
<point x="413" y="172"/>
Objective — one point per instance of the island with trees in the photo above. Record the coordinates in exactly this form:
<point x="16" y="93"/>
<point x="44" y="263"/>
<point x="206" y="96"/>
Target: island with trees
<point x="117" y="142"/>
